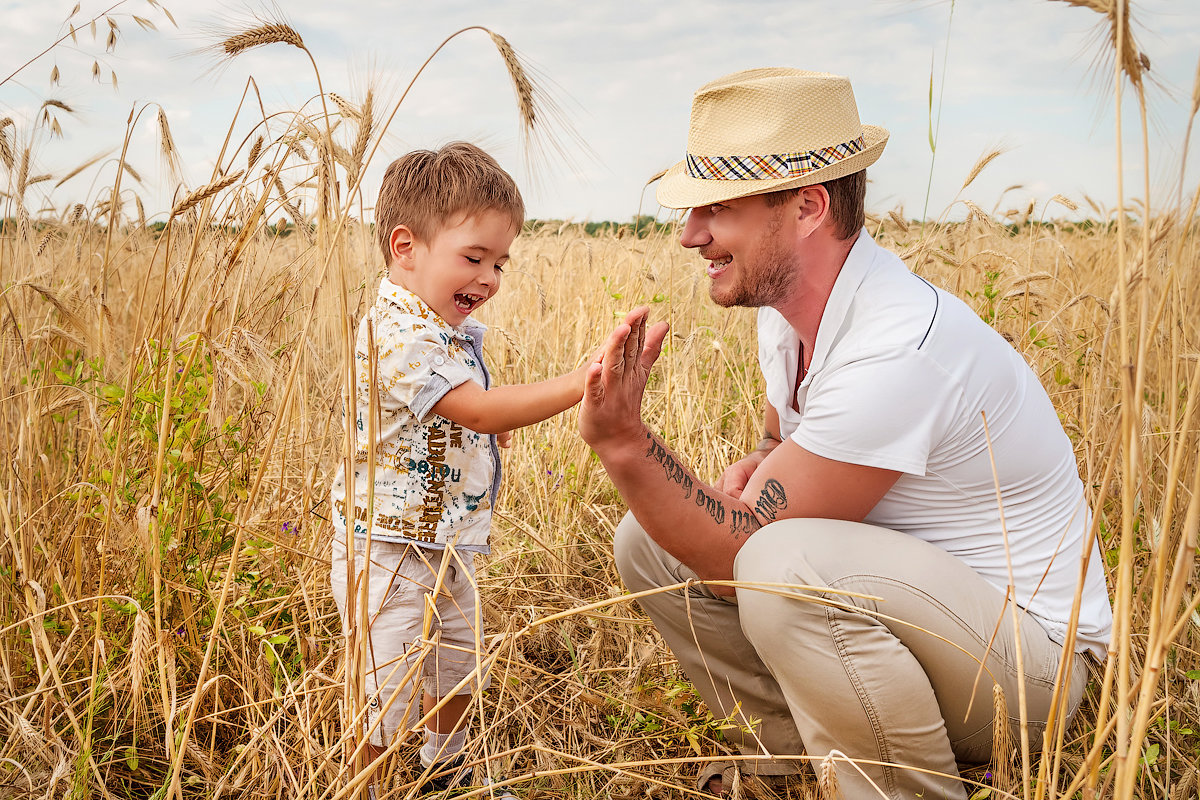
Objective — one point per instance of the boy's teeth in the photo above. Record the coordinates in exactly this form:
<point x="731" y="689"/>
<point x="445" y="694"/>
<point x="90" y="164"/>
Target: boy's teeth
<point x="469" y="300"/>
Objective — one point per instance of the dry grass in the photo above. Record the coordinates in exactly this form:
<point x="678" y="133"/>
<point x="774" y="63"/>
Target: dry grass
<point x="170" y="422"/>
<point x="586" y="700"/>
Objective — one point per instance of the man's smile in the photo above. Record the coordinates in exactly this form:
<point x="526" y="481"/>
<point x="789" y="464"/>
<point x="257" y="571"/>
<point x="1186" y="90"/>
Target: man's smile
<point x="716" y="266"/>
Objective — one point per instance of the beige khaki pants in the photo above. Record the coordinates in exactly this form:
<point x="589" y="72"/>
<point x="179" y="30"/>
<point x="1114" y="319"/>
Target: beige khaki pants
<point x="880" y="681"/>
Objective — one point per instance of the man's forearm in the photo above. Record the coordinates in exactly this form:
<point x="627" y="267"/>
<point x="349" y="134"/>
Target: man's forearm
<point x="701" y="526"/>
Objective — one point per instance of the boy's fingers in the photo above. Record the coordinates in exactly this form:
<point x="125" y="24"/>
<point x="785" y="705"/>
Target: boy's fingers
<point x="593" y="387"/>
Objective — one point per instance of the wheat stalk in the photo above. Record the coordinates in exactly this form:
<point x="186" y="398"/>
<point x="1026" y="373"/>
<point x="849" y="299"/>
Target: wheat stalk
<point x="6" y="148"/>
<point x="983" y="161"/>
<point x="59" y="104"/>
<point x="1002" y="745"/>
<point x="363" y="137"/>
<point x="267" y="33"/>
<point x="204" y="192"/>
<point x="255" y="152"/>
<point x="167" y="149"/>
<point x="522" y="86"/>
<point x="827" y="779"/>
<point x="347" y="110"/>
<point x="1133" y="61"/>
<point x="45" y="240"/>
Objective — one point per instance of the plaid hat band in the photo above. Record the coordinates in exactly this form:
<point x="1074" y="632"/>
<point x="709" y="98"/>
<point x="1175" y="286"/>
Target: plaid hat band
<point x="784" y="165"/>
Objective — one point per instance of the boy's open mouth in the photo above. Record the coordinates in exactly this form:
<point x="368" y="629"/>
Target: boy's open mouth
<point x="466" y="303"/>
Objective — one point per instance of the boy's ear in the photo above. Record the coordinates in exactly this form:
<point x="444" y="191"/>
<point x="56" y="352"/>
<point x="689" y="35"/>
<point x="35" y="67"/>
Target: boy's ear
<point x="400" y="245"/>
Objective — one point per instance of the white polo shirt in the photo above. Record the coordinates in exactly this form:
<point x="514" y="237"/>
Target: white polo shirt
<point x="435" y="481"/>
<point x="902" y="376"/>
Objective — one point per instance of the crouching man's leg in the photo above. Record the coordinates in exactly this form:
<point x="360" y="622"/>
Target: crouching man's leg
<point x="875" y="680"/>
<point x="705" y="634"/>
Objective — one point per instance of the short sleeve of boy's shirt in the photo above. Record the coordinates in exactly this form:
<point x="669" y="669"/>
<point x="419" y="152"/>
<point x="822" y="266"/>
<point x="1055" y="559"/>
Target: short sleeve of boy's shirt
<point x="420" y="358"/>
<point x="416" y="368"/>
<point x="885" y="409"/>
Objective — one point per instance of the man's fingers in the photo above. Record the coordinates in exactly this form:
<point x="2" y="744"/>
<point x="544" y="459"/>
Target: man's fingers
<point x="636" y="320"/>
<point x="614" y="351"/>
<point x="653" y="343"/>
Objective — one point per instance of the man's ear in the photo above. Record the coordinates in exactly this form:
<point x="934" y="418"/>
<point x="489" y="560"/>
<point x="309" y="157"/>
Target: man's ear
<point x="812" y="208"/>
<point x="400" y="245"/>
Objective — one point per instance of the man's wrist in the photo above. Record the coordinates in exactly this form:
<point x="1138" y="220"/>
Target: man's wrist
<point x="621" y="445"/>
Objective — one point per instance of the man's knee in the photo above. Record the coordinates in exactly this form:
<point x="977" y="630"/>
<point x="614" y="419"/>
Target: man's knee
<point x="780" y="553"/>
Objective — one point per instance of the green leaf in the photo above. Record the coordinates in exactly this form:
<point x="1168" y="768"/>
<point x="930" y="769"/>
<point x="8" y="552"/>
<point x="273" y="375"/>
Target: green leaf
<point x="1193" y="674"/>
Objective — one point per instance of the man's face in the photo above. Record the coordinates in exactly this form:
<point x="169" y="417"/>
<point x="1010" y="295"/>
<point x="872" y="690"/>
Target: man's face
<point x="750" y="261"/>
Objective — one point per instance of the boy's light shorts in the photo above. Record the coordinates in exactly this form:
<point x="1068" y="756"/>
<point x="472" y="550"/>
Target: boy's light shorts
<point x="399" y="597"/>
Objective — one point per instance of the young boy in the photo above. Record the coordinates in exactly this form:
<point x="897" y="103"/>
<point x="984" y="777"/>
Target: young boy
<point x="445" y="221"/>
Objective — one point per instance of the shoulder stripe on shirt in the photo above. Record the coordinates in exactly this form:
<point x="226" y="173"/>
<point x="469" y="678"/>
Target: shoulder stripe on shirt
<point x="936" y="302"/>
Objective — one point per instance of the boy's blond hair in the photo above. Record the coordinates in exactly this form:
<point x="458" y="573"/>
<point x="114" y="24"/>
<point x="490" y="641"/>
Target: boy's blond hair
<point x="424" y="189"/>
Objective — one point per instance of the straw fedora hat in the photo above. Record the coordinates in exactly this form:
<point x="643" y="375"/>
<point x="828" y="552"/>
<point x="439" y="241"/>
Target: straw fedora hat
<point x="763" y="130"/>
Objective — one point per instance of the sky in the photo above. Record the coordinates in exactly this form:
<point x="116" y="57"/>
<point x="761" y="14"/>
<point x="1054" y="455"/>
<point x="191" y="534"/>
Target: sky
<point x="1026" y="76"/>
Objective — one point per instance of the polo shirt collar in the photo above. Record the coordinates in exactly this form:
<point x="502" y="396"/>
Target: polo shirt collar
<point x="845" y="287"/>
<point x="410" y="303"/>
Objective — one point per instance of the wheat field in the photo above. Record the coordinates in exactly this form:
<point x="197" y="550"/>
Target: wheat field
<point x="170" y="422"/>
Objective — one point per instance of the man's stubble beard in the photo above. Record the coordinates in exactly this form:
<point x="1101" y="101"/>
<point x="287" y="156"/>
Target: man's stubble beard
<point x="769" y="279"/>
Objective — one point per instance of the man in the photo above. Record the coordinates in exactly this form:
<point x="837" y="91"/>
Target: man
<point x="913" y="481"/>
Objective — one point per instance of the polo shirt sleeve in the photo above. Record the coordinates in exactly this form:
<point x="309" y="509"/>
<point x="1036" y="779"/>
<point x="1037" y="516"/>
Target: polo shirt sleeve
<point x="416" y="368"/>
<point x="887" y="409"/>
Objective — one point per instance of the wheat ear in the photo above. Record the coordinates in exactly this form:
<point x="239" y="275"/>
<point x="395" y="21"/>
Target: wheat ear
<point x="204" y="192"/>
<point x="522" y="86"/>
<point x="827" y="780"/>
<point x="269" y="33"/>
<point x="1001" y="740"/>
<point x="6" y="151"/>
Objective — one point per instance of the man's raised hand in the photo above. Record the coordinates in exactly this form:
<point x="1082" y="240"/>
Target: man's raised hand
<point x="613" y="388"/>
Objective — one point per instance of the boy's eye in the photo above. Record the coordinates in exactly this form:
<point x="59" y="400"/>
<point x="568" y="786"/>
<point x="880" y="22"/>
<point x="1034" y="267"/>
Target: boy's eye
<point x="473" y="260"/>
<point x="499" y="268"/>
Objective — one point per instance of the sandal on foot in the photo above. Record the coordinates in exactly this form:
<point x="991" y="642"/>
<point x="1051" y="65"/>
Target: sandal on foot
<point x="724" y="771"/>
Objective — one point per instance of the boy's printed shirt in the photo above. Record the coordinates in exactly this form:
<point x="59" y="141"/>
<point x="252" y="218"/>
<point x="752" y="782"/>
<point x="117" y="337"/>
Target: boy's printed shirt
<point x="435" y="481"/>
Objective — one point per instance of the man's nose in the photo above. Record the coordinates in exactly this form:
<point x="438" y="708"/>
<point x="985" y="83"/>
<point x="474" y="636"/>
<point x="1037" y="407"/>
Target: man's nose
<point x="695" y="230"/>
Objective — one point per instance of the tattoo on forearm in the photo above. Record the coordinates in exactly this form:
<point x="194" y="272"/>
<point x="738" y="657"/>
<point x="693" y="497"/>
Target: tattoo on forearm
<point x="771" y="500"/>
<point x="740" y="522"/>
<point x="712" y="506"/>
<point x="675" y="471"/>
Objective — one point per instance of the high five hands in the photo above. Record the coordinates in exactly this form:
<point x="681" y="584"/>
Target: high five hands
<point x="615" y="382"/>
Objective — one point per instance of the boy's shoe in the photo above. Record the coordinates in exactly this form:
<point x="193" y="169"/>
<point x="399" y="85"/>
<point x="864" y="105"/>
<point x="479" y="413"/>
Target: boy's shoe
<point x="451" y="774"/>
<point x="448" y="774"/>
